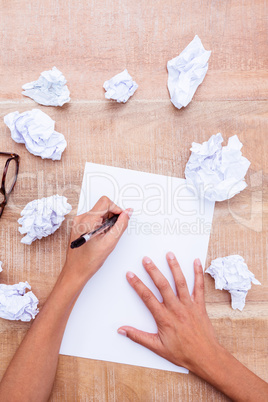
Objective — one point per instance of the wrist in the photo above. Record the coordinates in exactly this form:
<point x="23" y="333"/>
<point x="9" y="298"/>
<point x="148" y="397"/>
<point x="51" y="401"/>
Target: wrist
<point x="62" y="298"/>
<point x="69" y="284"/>
<point x="222" y="370"/>
<point x="210" y="363"/>
<point x="73" y="279"/>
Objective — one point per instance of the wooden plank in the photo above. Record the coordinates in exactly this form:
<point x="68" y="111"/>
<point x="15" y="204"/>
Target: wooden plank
<point x="90" y="42"/>
<point x="97" y="132"/>
<point x="89" y="380"/>
<point x="101" y="132"/>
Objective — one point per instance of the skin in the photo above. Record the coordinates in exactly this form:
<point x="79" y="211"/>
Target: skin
<point x="185" y="334"/>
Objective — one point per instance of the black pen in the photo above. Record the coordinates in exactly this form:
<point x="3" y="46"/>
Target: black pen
<point x="108" y="223"/>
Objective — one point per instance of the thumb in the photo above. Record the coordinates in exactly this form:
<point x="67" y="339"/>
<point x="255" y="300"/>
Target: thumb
<point x="146" y="339"/>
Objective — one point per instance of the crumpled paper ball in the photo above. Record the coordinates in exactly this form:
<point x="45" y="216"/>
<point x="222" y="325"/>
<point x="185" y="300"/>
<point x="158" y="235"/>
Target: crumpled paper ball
<point x="216" y="172"/>
<point x="15" y="304"/>
<point x="49" y="90"/>
<point x="186" y="72"/>
<point x="35" y="129"/>
<point x="42" y="217"/>
<point x="231" y="273"/>
<point x="120" y="88"/>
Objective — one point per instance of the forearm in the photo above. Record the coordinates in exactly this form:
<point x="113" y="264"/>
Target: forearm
<point x="229" y="376"/>
<point x="31" y="373"/>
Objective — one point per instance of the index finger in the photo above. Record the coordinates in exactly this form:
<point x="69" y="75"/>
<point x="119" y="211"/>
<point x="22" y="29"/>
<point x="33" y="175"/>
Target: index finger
<point x="146" y="296"/>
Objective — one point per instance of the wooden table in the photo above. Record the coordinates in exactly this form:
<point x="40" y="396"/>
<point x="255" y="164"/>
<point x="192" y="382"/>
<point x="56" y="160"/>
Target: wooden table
<point x="90" y="41"/>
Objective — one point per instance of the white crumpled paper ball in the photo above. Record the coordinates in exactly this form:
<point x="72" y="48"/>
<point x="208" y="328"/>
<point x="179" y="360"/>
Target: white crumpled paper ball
<point x="35" y="129"/>
<point x="15" y="303"/>
<point x="49" y="90"/>
<point x="41" y="218"/>
<point x="121" y="87"/>
<point x="186" y="72"/>
<point x="231" y="273"/>
<point x="216" y="172"/>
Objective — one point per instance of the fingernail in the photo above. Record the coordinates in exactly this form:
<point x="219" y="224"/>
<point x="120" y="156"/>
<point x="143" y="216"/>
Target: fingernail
<point x="170" y="255"/>
<point x="130" y="275"/>
<point x="122" y="332"/>
<point x="147" y="260"/>
<point x="129" y="212"/>
<point x="198" y="262"/>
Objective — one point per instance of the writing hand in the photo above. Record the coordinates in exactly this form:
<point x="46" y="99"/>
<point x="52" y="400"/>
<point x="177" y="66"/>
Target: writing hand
<point x="87" y="259"/>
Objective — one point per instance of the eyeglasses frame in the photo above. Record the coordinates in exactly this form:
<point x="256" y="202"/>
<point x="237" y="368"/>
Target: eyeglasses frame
<point x="12" y="156"/>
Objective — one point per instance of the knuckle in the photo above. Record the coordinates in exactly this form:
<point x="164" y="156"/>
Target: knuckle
<point x="201" y="286"/>
<point x="134" y="337"/>
<point x="181" y="283"/>
<point x="135" y="281"/>
<point x="175" y="265"/>
<point x="104" y="198"/>
<point x="146" y="295"/>
<point x="163" y="284"/>
<point x="151" y="267"/>
<point x="173" y="262"/>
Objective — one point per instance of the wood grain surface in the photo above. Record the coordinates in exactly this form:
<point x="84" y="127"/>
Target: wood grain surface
<point x="90" y="41"/>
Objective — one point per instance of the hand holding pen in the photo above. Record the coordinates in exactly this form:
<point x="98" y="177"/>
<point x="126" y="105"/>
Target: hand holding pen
<point x="103" y="225"/>
<point x="107" y="224"/>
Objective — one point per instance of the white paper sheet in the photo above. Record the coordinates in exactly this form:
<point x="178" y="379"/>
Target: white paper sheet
<point x="231" y="273"/>
<point x="186" y="72"/>
<point x="108" y="301"/>
<point x="216" y="172"/>
<point x="41" y="218"/>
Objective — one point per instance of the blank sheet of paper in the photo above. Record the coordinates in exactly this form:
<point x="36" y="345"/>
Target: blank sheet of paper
<point x="167" y="217"/>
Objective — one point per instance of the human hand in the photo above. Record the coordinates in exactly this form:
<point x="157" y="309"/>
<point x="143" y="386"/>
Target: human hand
<point x="85" y="261"/>
<point x="185" y="334"/>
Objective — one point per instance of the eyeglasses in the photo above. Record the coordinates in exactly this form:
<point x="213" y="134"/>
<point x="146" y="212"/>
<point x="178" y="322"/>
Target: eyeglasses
<point x="9" y="178"/>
